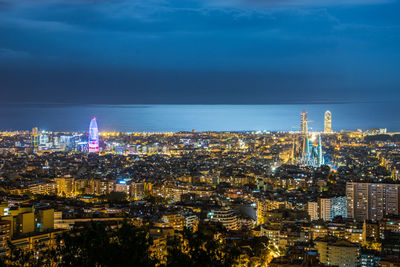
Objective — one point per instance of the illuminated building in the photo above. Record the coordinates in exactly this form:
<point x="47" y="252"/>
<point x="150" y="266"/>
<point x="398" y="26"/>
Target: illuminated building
<point x="43" y="188"/>
<point x="65" y="186"/>
<point x="303" y="122"/>
<point x="324" y="209"/>
<point x="312" y="155"/>
<point x="44" y="141"/>
<point x="21" y="219"/>
<point x="25" y="222"/>
<point x="58" y="221"/>
<point x="328" y="122"/>
<point x="273" y="232"/>
<point x="4" y="209"/>
<point x="262" y="209"/>
<point x="93" y="137"/>
<point x="372" y="201"/>
<point x="44" y="220"/>
<point x="337" y="252"/>
<point x="327" y="208"/>
<point x="176" y="221"/>
<point x="320" y="156"/>
<point x="375" y="131"/>
<point x="390" y="224"/>
<point x="338" y="207"/>
<point x="37" y="241"/>
<point x="5" y="235"/>
<point x="105" y="187"/>
<point x="370" y="232"/>
<point x="123" y="186"/>
<point x="35" y="137"/>
<point x="318" y="231"/>
<point x="312" y="208"/>
<point x="369" y="258"/>
<point x="266" y="205"/>
<point x="226" y="217"/>
<point x="137" y="191"/>
<point x="192" y="222"/>
<point x="133" y="190"/>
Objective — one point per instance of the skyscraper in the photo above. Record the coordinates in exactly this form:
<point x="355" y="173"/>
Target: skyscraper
<point x="303" y="122"/>
<point x="35" y="137"/>
<point x="312" y="208"/>
<point x="327" y="208"/>
<point x="328" y="122"/>
<point x="93" y="137"/>
<point x="372" y="201"/>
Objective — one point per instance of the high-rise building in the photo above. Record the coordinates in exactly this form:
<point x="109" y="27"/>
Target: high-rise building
<point x="372" y="201"/>
<point x="338" y="207"/>
<point x="328" y="122"/>
<point x="137" y="190"/>
<point x="303" y="122"/>
<point x="327" y="208"/>
<point x="312" y="209"/>
<point x="35" y="137"/>
<point x="324" y="208"/>
<point x="93" y="137"/>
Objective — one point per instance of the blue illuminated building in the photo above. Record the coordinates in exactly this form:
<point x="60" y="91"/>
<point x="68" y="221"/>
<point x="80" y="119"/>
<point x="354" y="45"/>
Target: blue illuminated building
<point x="312" y="154"/>
<point x="93" y="137"/>
<point x="338" y="207"/>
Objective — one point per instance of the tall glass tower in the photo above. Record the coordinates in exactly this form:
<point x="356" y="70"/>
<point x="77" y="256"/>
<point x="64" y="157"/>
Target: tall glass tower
<point x="328" y="122"/>
<point x="93" y="137"/>
<point x="303" y="122"/>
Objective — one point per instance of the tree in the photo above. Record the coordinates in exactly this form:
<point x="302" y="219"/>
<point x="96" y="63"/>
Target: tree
<point x="98" y="245"/>
<point x="155" y="200"/>
<point x="116" y="197"/>
<point x="19" y="257"/>
<point x="95" y="245"/>
<point x="202" y="248"/>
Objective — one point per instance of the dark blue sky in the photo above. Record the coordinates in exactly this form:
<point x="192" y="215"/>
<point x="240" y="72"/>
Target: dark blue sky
<point x="209" y="51"/>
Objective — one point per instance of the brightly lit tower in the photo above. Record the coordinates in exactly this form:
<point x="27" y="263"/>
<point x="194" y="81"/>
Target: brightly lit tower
<point x="303" y="122"/>
<point x="328" y="122"/>
<point x="319" y="153"/>
<point x="312" y="152"/>
<point x="35" y="137"/>
<point x="93" y="137"/>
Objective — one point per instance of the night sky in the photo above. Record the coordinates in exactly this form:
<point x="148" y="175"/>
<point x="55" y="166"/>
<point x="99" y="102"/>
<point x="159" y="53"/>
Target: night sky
<point x="208" y="51"/>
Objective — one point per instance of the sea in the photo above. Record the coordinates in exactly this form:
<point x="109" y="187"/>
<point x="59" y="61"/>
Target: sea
<point x="175" y="118"/>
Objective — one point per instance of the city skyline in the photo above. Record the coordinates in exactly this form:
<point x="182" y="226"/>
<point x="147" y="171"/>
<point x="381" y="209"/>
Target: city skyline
<point x="167" y="133"/>
<point x="174" y="118"/>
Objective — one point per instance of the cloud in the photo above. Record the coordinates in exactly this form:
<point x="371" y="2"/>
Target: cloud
<point x="203" y="46"/>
